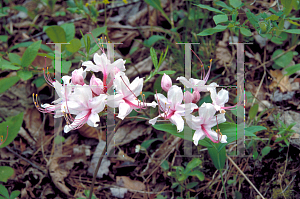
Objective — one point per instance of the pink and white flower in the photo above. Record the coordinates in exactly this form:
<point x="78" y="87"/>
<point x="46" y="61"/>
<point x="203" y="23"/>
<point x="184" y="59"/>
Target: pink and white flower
<point x="204" y="122"/>
<point x="172" y="107"/>
<point x="126" y="97"/>
<point x="166" y="82"/>
<point x="86" y="108"/>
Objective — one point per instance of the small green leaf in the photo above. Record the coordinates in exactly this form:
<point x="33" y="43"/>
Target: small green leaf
<point x="25" y="74"/>
<point x="154" y="58"/>
<point x="182" y="177"/>
<point x="167" y="72"/>
<point x="74" y="45"/>
<point x="14" y="194"/>
<point x="153" y="39"/>
<point x="157" y="5"/>
<point x="254" y="129"/>
<point x="39" y="81"/>
<point x="293" y="31"/>
<point x="191" y="185"/>
<point x="30" y="54"/>
<point x="265" y="151"/>
<point x="3" y="38"/>
<point x="5" y="173"/>
<point x="4" y="191"/>
<point x="165" y="165"/>
<point x="255" y="155"/>
<point x="7" y="82"/>
<point x="14" y="124"/>
<point x="59" y="139"/>
<point x="283" y="60"/>
<point x="253" y="111"/>
<point x="246" y="32"/>
<point x="272" y="17"/>
<point x="14" y="58"/>
<point x="210" y="31"/>
<point x="10" y="67"/>
<point x="192" y="164"/>
<point x="69" y="29"/>
<point x="198" y="174"/>
<point x="209" y="8"/>
<point x="238" y="195"/>
<point x="224" y="5"/>
<point x="56" y="34"/>
<point x="235" y="3"/>
<point x="218" y="158"/>
<point x="146" y="144"/>
<point x="220" y="18"/>
<point x="26" y="44"/>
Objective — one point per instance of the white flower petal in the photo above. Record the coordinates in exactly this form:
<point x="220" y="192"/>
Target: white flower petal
<point x="178" y="121"/>
<point x="114" y="101"/>
<point x="93" y="119"/>
<point x="175" y="96"/>
<point x="198" y="135"/>
<point x="124" y="110"/>
<point x="98" y="103"/>
<point x="153" y="121"/>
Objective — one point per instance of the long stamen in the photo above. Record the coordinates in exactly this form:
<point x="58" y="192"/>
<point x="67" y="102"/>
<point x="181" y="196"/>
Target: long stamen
<point x="43" y="110"/>
<point x="102" y="49"/>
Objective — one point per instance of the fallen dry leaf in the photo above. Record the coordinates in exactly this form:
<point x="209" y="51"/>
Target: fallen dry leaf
<point x="91" y="132"/>
<point x="124" y="157"/>
<point x="283" y="84"/>
<point x="126" y="182"/>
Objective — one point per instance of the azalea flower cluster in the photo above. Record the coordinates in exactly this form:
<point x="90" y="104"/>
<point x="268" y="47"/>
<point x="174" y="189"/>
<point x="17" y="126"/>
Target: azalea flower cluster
<point x="86" y="101"/>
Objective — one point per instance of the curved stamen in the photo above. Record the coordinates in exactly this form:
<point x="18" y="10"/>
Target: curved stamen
<point x="208" y="135"/>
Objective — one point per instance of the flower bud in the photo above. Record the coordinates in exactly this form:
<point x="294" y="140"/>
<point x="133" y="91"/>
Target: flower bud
<point x="166" y="82"/>
<point x="196" y="97"/>
<point x="96" y="85"/>
<point x="188" y="97"/>
<point x="78" y="76"/>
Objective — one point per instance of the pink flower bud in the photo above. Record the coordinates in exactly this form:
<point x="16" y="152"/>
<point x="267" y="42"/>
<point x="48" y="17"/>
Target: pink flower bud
<point x="196" y="97"/>
<point x="96" y="85"/>
<point x="78" y="76"/>
<point x="188" y="97"/>
<point x="166" y="82"/>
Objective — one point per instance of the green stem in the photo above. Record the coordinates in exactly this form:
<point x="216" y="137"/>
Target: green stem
<point x="223" y="184"/>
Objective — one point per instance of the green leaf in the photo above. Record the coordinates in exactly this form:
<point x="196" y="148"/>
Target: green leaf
<point x="14" y="194"/>
<point x="156" y="4"/>
<point x="210" y="31"/>
<point x="283" y="60"/>
<point x="154" y="58"/>
<point x="246" y="31"/>
<point x="74" y="45"/>
<point x="30" y="53"/>
<point x="3" y="191"/>
<point x="153" y="39"/>
<point x="10" y="67"/>
<point x="14" y="124"/>
<point x="265" y="151"/>
<point x="220" y="18"/>
<point x="198" y="174"/>
<point x="293" y="31"/>
<point x="14" y="58"/>
<point x="69" y="29"/>
<point x="238" y="195"/>
<point x="146" y="144"/>
<point x="235" y="3"/>
<point x="254" y="129"/>
<point x="224" y="5"/>
<point x="5" y="173"/>
<point x="272" y="17"/>
<point x="252" y="18"/>
<point x="8" y="82"/>
<point x="165" y="165"/>
<point x="253" y="111"/>
<point x="133" y="49"/>
<point x="26" y="44"/>
<point x="191" y="185"/>
<point x="209" y="8"/>
<point x="167" y="72"/>
<point x="39" y="81"/>
<point x="192" y="164"/>
<point x="59" y="139"/>
<point x="56" y="34"/>
<point x="218" y="158"/>
<point x="3" y="38"/>
<point x="182" y="177"/>
<point x="65" y="66"/>
<point x="287" y="4"/>
<point x="25" y="74"/>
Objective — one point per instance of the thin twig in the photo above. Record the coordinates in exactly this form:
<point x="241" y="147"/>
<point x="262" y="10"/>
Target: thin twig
<point x="236" y="166"/>
<point x="109" y="138"/>
<point x="34" y="165"/>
